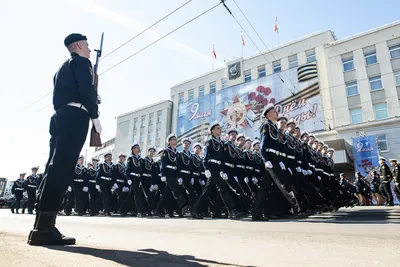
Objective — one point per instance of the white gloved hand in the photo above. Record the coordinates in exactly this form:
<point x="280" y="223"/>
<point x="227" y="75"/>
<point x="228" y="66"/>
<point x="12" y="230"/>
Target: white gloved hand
<point x="180" y="181"/>
<point x="192" y="181"/>
<point x="207" y="173"/>
<point x="282" y="165"/>
<point x="298" y="169"/>
<point x="98" y="187"/>
<point x="319" y="178"/>
<point x="125" y="189"/>
<point x="246" y="180"/>
<point x="202" y="182"/>
<point x="396" y="184"/>
<point x="115" y="186"/>
<point x="151" y="189"/>
<point x="155" y="187"/>
<point x="236" y="178"/>
<point x="309" y="172"/>
<point x="85" y="189"/>
<point x="129" y="182"/>
<point x="97" y="125"/>
<point x="305" y="173"/>
<point x="290" y="171"/>
<point x="69" y="189"/>
<point x="98" y="99"/>
<point x="268" y="165"/>
<point x="163" y="179"/>
<point x="255" y="180"/>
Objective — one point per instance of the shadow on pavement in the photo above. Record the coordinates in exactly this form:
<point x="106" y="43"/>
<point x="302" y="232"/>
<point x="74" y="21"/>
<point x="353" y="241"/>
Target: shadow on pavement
<point x="141" y="258"/>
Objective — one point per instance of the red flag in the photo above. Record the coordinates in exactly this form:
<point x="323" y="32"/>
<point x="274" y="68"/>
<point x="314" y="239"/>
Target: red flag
<point x="215" y="54"/>
<point x="276" y="25"/>
<point x="243" y="43"/>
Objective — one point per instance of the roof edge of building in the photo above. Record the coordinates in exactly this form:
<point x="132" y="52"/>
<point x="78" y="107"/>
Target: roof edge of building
<point x="370" y="31"/>
<point x="145" y="107"/>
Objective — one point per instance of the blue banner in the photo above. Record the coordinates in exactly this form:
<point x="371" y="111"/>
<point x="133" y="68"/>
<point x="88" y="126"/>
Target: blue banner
<point x="366" y="154"/>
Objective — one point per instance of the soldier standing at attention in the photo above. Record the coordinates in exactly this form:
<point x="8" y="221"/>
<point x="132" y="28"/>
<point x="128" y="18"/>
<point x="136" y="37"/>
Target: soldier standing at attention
<point x="18" y="190"/>
<point x="386" y="178"/>
<point x="75" y="103"/>
<point x="30" y="186"/>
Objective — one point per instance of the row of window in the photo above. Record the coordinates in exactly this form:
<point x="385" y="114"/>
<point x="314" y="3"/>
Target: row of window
<point x="375" y="83"/>
<point x="380" y="110"/>
<point x="310" y="57"/>
<point x="143" y="120"/>
<point x="149" y="136"/>
<point x="370" y="58"/>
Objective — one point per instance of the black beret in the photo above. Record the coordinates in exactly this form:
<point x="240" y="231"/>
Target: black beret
<point x="74" y="37"/>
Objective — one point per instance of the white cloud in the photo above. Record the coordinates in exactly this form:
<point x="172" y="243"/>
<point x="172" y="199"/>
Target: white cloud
<point x="106" y="13"/>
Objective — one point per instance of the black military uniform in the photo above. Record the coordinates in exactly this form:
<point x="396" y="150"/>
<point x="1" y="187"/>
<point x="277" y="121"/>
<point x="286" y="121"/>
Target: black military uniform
<point x="170" y="174"/>
<point x="80" y="188"/>
<point x="386" y="177"/>
<point x="17" y="190"/>
<point x="147" y="182"/>
<point x="197" y="169"/>
<point x="134" y="170"/>
<point x="94" y="195"/>
<point x="104" y="182"/>
<point x="214" y="163"/>
<point x="122" y="189"/>
<point x="30" y="187"/>
<point x="185" y="172"/>
<point x="75" y="103"/>
<point x="395" y="172"/>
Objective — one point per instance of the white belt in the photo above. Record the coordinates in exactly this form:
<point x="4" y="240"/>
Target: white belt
<point x="290" y="157"/>
<point x="299" y="161"/>
<point x="203" y="173"/>
<point x="196" y="173"/>
<point x="229" y="164"/>
<point x="19" y="189"/>
<point x="273" y="151"/>
<point x="319" y="170"/>
<point x="283" y="154"/>
<point x="78" y="180"/>
<point x="146" y="174"/>
<point x="240" y="166"/>
<point x="250" y="168"/>
<point x="135" y="174"/>
<point x="78" y="105"/>
<point x="184" y="171"/>
<point x="92" y="181"/>
<point x="121" y="181"/>
<point x="171" y="167"/>
<point x="105" y="178"/>
<point x="215" y="161"/>
<point x="257" y="170"/>
<point x="33" y="186"/>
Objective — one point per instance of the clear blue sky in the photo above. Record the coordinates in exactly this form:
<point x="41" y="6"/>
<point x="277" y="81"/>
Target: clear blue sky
<point x="32" y="47"/>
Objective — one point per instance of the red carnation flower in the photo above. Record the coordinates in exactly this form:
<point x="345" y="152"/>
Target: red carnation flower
<point x="267" y="91"/>
<point x="259" y="98"/>
<point x="265" y="102"/>
<point x="272" y="101"/>
<point x="252" y="96"/>
<point x="260" y="88"/>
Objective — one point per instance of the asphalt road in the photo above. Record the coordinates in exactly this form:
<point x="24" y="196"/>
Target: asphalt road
<point x="365" y="236"/>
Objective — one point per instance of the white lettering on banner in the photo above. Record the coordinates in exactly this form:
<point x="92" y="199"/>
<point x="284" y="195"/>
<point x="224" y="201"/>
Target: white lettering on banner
<point x="297" y="104"/>
<point x="198" y="115"/>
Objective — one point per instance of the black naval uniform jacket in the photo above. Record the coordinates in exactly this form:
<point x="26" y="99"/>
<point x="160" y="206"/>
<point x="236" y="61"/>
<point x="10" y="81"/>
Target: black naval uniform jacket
<point x="80" y="177"/>
<point x="213" y="160"/>
<point x="134" y="170"/>
<point x="197" y="167"/>
<point x="169" y="165"/>
<point x="156" y="174"/>
<point x="184" y="164"/>
<point x="299" y="154"/>
<point x="385" y="173"/>
<point x="291" y="152"/>
<point x="105" y="174"/>
<point x="249" y="164"/>
<point x="147" y="170"/>
<point x="395" y="172"/>
<point x="283" y="147"/>
<point x="91" y="176"/>
<point x="269" y="143"/>
<point x="18" y="188"/>
<point x="240" y="163"/>
<point x="119" y="175"/>
<point x="229" y="155"/>
<point x="30" y="183"/>
<point x="258" y="165"/>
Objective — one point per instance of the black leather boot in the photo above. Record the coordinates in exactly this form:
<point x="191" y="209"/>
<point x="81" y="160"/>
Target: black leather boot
<point x="45" y="233"/>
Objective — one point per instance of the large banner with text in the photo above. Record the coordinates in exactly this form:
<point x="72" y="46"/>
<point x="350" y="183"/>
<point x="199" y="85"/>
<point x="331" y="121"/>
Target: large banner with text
<point x="366" y="154"/>
<point x="295" y="93"/>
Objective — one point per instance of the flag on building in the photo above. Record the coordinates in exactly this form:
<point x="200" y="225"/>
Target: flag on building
<point x="276" y="25"/>
<point x="215" y="54"/>
<point x="243" y="42"/>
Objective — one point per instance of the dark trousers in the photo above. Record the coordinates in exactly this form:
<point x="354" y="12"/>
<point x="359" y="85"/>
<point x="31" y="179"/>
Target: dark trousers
<point x="105" y="188"/>
<point x="31" y="198"/>
<point x="396" y="190"/>
<point x="241" y="199"/>
<point x="138" y="195"/>
<point x="263" y="192"/>
<point x="222" y="187"/>
<point x="69" y="136"/>
<point x="94" y="199"/>
<point x="386" y="192"/>
<point x="69" y="202"/>
<point x="150" y="197"/>
<point x="17" y="202"/>
<point x="81" y="198"/>
<point x="173" y="187"/>
<point x="189" y="188"/>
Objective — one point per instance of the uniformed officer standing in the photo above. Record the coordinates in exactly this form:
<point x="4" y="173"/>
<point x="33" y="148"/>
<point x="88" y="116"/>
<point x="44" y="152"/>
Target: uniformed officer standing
<point x="147" y="180"/>
<point x="80" y="187"/>
<point x="31" y="185"/>
<point x="18" y="190"/>
<point x="395" y="172"/>
<point x="105" y="182"/>
<point x="75" y="103"/>
<point x="185" y="170"/>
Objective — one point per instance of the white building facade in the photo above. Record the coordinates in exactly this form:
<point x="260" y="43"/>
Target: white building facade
<point x="149" y="126"/>
<point x="99" y="152"/>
